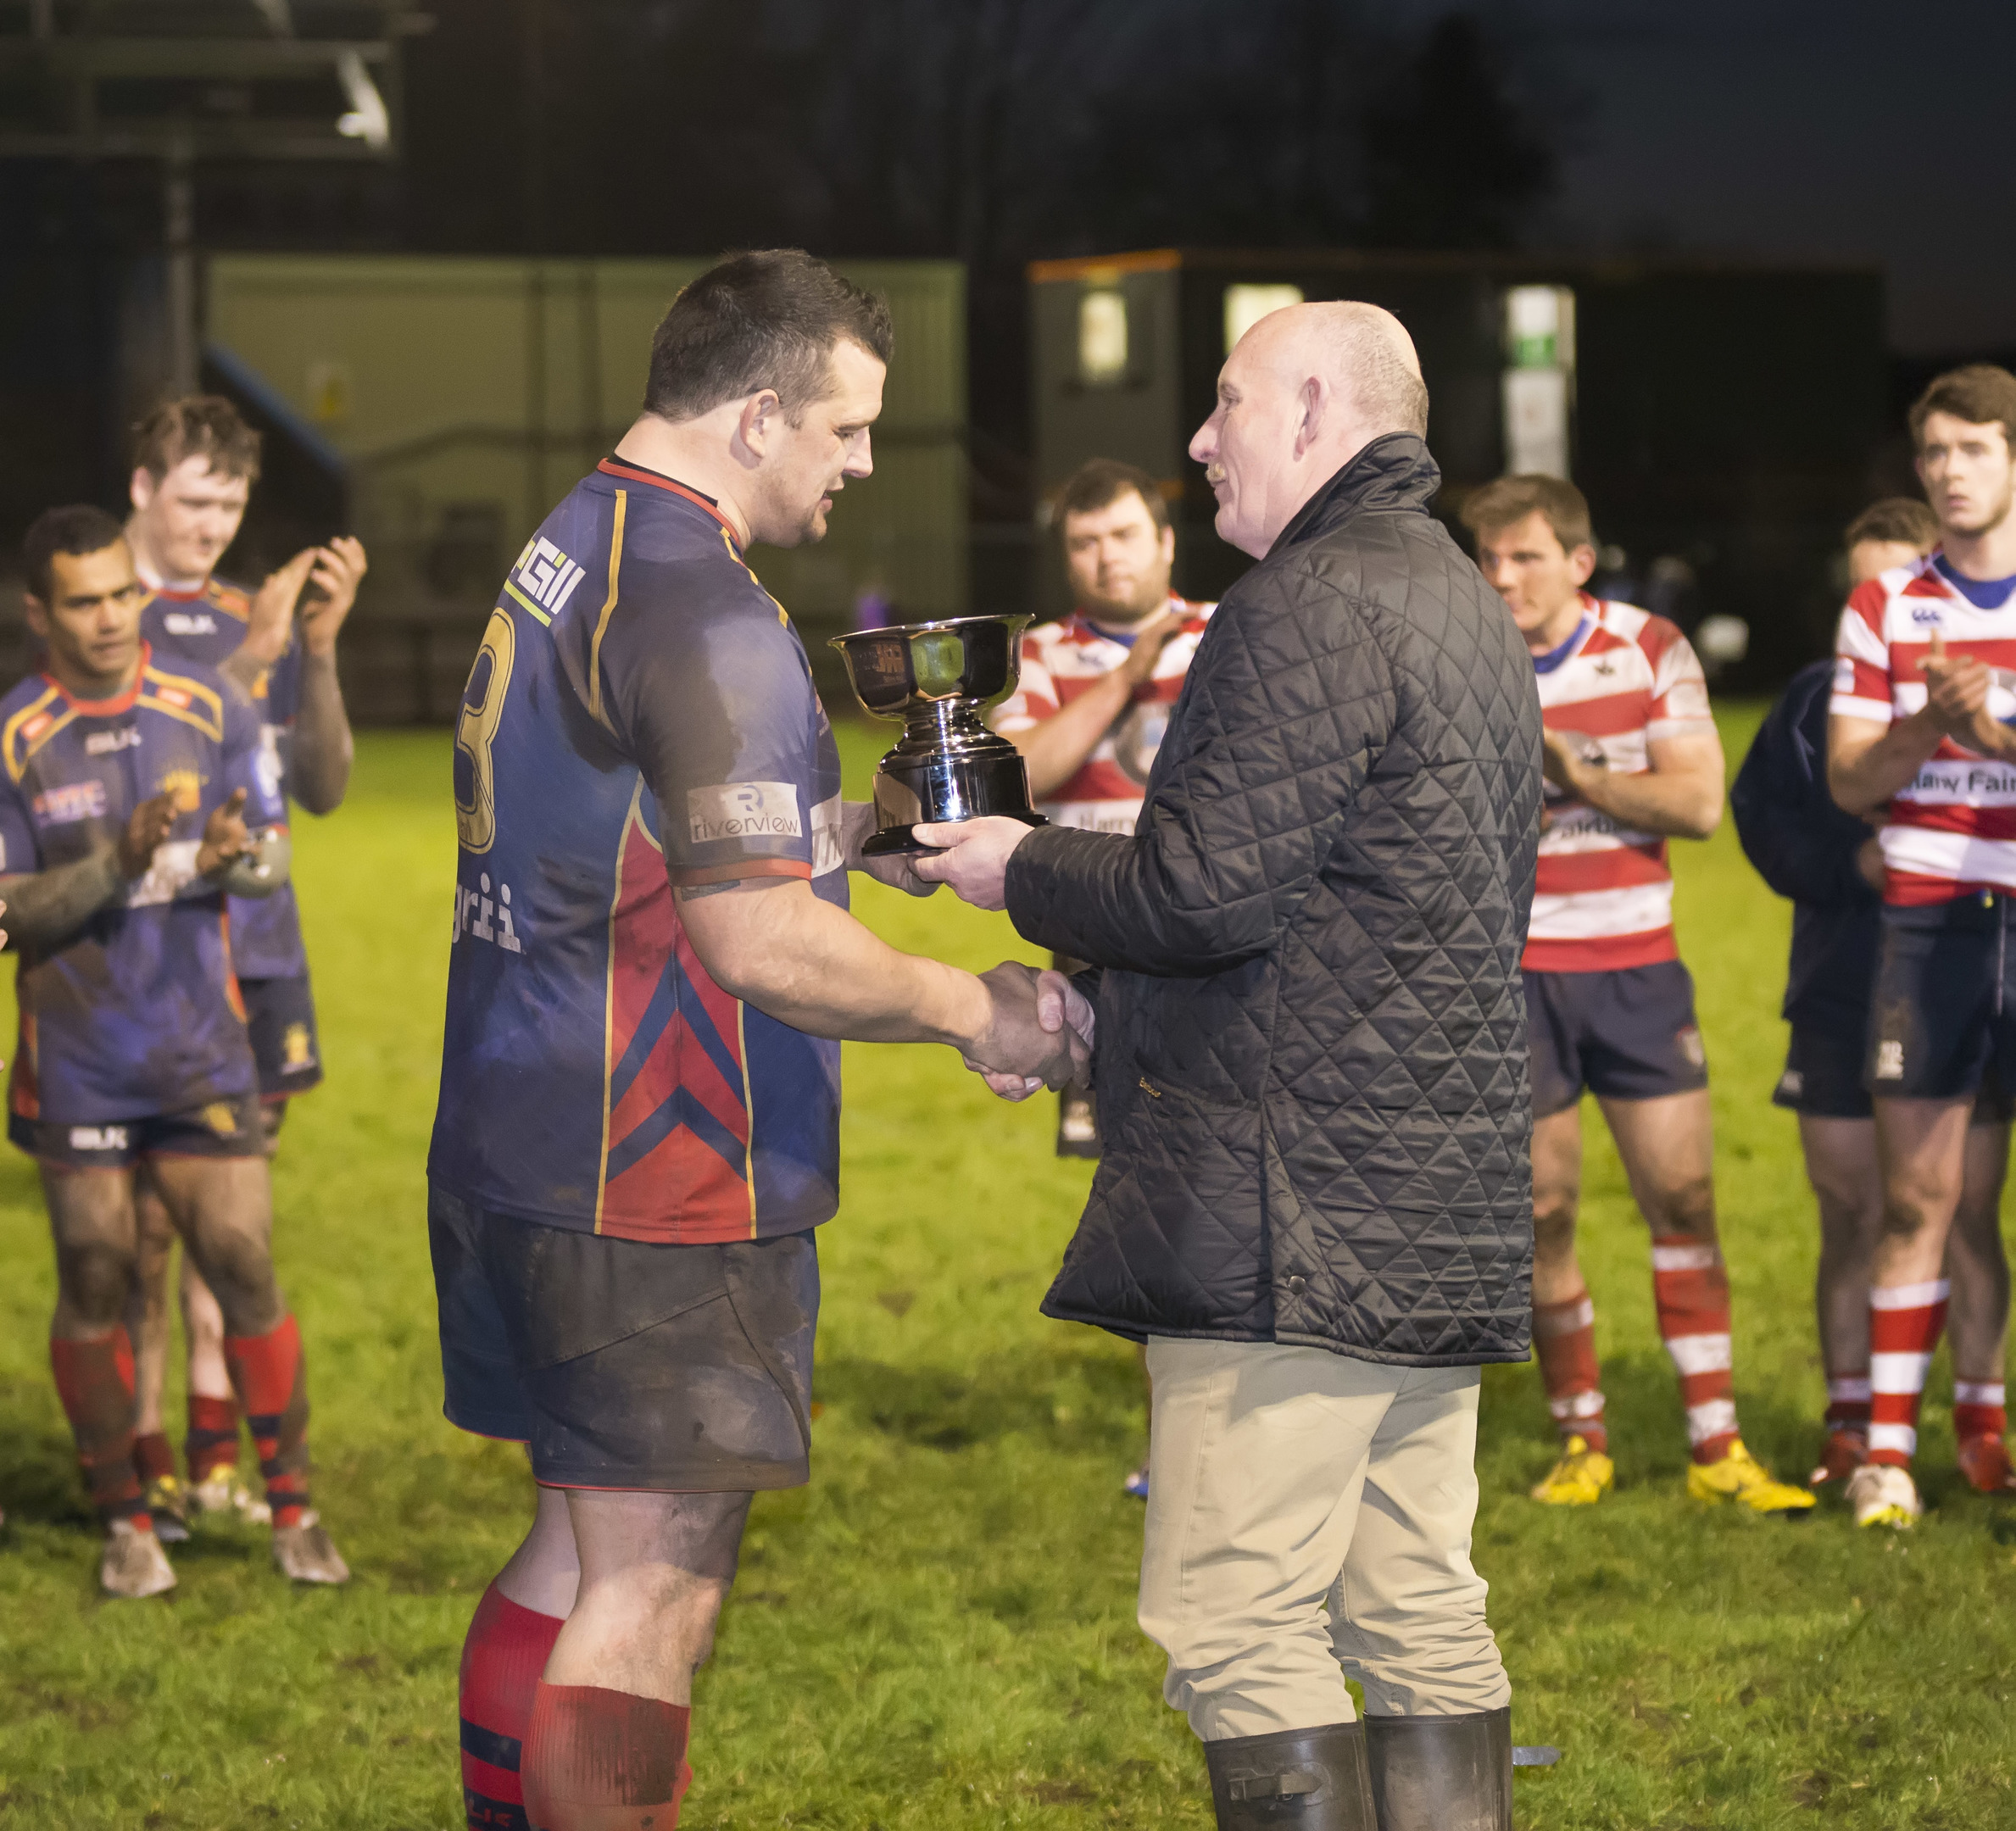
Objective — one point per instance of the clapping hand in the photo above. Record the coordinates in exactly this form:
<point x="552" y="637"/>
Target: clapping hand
<point x="225" y="835"/>
<point x="1038" y="1033"/>
<point x="1957" y="694"/>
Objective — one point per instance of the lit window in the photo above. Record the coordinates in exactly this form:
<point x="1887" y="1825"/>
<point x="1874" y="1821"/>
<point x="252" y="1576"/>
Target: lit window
<point x="1246" y="305"/>
<point x="1102" y="337"/>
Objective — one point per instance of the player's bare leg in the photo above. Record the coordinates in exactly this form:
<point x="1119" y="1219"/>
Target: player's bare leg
<point x="606" y="1747"/>
<point x="1977" y="1269"/>
<point x="508" y="1645"/>
<point x="91" y="1218"/>
<point x="1921" y="1145"/>
<point x="1841" y="1164"/>
<point x="149" y="1327"/>
<point x="1564" y="1331"/>
<point x="222" y="1207"/>
<point x="1668" y="1149"/>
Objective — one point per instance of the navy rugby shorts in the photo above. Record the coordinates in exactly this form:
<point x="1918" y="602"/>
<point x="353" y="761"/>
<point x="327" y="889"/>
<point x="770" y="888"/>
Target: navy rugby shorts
<point x="280" y="1020"/>
<point x="1942" y="1017"/>
<point x="1626" y="1033"/>
<point x="220" y="1128"/>
<point x="621" y="1364"/>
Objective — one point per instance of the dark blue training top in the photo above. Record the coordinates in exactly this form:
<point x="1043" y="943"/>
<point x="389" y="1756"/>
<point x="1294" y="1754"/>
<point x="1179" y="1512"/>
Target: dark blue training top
<point x="1804" y="847"/>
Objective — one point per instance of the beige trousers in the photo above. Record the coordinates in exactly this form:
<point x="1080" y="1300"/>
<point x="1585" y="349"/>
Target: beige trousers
<point x="1290" y="1481"/>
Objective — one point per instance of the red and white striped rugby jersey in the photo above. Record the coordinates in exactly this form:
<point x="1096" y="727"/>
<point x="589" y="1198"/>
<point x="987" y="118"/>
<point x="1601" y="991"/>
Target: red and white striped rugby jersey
<point x="1059" y="661"/>
<point x="1953" y="829"/>
<point x="1602" y="896"/>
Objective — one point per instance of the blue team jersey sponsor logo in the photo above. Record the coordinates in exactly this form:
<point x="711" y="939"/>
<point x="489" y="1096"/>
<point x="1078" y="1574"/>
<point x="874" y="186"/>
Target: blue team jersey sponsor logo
<point x="74" y="801"/>
<point x="189" y="623"/>
<point x="104" y="742"/>
<point x="1925" y="614"/>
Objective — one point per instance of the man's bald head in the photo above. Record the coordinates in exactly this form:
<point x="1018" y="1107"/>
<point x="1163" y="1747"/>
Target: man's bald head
<point x="1303" y="393"/>
<point x="1363" y="350"/>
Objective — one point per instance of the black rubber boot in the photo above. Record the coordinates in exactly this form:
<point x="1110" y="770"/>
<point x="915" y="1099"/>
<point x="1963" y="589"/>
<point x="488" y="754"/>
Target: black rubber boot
<point x="1442" y="1773"/>
<point x="1293" y="1780"/>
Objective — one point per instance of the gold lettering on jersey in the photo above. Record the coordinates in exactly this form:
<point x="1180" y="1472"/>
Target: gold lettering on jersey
<point x="184" y="787"/>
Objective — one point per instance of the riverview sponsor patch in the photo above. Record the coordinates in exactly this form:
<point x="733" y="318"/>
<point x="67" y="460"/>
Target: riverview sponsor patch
<point x="743" y="810"/>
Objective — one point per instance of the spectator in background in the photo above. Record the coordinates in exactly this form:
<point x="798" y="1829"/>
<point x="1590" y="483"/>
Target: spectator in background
<point x="1096" y="689"/>
<point x="1830" y="865"/>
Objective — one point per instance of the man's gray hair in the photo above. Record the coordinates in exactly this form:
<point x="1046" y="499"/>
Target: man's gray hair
<point x="1372" y="357"/>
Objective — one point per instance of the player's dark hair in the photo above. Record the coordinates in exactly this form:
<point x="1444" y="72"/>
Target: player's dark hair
<point x="198" y="426"/>
<point x="77" y="528"/>
<point x="1513" y="498"/>
<point x="769" y="319"/>
<point x="1981" y="394"/>
<point x="1102" y="481"/>
<point x="1902" y="519"/>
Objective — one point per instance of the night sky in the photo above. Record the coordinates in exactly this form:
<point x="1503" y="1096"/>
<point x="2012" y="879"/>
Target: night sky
<point x="1856" y="130"/>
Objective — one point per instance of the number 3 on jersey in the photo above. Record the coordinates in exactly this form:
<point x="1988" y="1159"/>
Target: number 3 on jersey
<point x="475" y="730"/>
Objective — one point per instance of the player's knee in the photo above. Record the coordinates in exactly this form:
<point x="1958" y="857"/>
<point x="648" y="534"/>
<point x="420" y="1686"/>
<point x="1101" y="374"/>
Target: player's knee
<point x="95" y="1277"/>
<point x="239" y="1272"/>
<point x="1554" y="1226"/>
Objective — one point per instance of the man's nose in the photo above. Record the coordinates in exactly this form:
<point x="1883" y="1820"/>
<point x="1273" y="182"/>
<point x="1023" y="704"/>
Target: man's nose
<point x="860" y="462"/>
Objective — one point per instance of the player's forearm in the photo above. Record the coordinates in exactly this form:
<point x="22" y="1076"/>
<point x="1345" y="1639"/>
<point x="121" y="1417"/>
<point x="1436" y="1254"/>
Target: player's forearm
<point x="1055" y="750"/>
<point x="813" y="966"/>
<point x="1680" y="805"/>
<point x="1865" y="769"/>
<point x="46" y="907"/>
<point x="323" y="746"/>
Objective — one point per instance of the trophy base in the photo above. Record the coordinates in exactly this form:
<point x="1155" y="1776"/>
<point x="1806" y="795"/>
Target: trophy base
<point x="901" y="841"/>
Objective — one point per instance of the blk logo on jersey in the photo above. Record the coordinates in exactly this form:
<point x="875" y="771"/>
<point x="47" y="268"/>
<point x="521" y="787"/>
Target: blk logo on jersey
<point x="77" y="801"/>
<point x="183" y="623"/>
<point x="96" y="1137"/>
<point x="743" y="810"/>
<point x="546" y="575"/>
<point x="104" y="742"/>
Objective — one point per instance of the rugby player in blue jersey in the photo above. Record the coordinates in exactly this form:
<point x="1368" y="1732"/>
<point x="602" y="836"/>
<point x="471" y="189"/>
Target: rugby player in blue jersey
<point x="132" y="802"/>
<point x="195" y="463"/>
<point x="653" y="965"/>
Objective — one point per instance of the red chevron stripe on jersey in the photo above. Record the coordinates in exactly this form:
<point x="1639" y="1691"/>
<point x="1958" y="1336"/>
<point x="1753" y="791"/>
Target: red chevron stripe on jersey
<point x="1602" y="893"/>
<point x="1059" y="662"/>
<point x="677" y="1137"/>
<point x="1953" y="829"/>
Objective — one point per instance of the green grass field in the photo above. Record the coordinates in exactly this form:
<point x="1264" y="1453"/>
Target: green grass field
<point x="939" y="1631"/>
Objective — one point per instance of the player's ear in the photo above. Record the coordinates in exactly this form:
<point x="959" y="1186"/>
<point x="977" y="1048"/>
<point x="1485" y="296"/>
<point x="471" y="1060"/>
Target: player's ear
<point x="140" y="486"/>
<point x="761" y="414"/>
<point x="37" y="613"/>
<point x="1581" y="563"/>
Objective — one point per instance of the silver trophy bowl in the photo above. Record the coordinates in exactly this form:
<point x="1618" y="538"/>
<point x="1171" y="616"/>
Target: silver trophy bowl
<point x="938" y="680"/>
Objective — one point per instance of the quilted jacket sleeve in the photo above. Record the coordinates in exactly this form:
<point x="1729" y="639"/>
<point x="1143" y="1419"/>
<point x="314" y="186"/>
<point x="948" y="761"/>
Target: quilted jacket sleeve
<point x="1286" y="708"/>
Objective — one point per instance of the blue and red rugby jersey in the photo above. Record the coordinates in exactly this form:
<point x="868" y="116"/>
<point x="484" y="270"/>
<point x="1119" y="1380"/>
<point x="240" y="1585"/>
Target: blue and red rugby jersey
<point x="138" y="1013"/>
<point x="205" y="627"/>
<point x="641" y="714"/>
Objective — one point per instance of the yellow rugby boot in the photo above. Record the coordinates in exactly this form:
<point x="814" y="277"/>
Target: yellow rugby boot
<point x="1581" y="1477"/>
<point x="1739" y="1477"/>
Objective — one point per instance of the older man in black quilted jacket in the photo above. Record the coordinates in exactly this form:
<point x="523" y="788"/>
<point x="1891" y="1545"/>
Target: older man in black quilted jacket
<point x="1310" y="1035"/>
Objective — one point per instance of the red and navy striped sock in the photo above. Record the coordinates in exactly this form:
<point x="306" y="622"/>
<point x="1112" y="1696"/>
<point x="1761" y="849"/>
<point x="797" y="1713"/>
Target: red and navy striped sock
<point x="267" y="1371"/>
<point x="212" y="1444"/>
<point x="153" y="1456"/>
<point x="506" y="1650"/>
<point x="604" y="1761"/>
<point x="94" y="1379"/>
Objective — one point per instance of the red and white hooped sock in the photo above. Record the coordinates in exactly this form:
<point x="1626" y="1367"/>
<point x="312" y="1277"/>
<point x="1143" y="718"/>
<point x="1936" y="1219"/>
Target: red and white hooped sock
<point x="1848" y="1402"/>
<point x="604" y="1761"/>
<point x="1564" y="1341"/>
<point x="1981" y="1408"/>
<point x="1905" y="1323"/>
<point x="507" y="1650"/>
<point x="1690" y="1288"/>
<point x="94" y="1379"/>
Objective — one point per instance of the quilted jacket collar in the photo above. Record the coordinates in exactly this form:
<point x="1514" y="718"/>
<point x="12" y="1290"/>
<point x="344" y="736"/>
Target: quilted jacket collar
<point x="1394" y="472"/>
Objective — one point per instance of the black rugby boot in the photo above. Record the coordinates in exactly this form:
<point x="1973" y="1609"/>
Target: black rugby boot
<point x="1442" y="1773"/>
<point x="1293" y="1780"/>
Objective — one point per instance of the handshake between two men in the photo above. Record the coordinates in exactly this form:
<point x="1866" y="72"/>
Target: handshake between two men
<point x="804" y="960"/>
